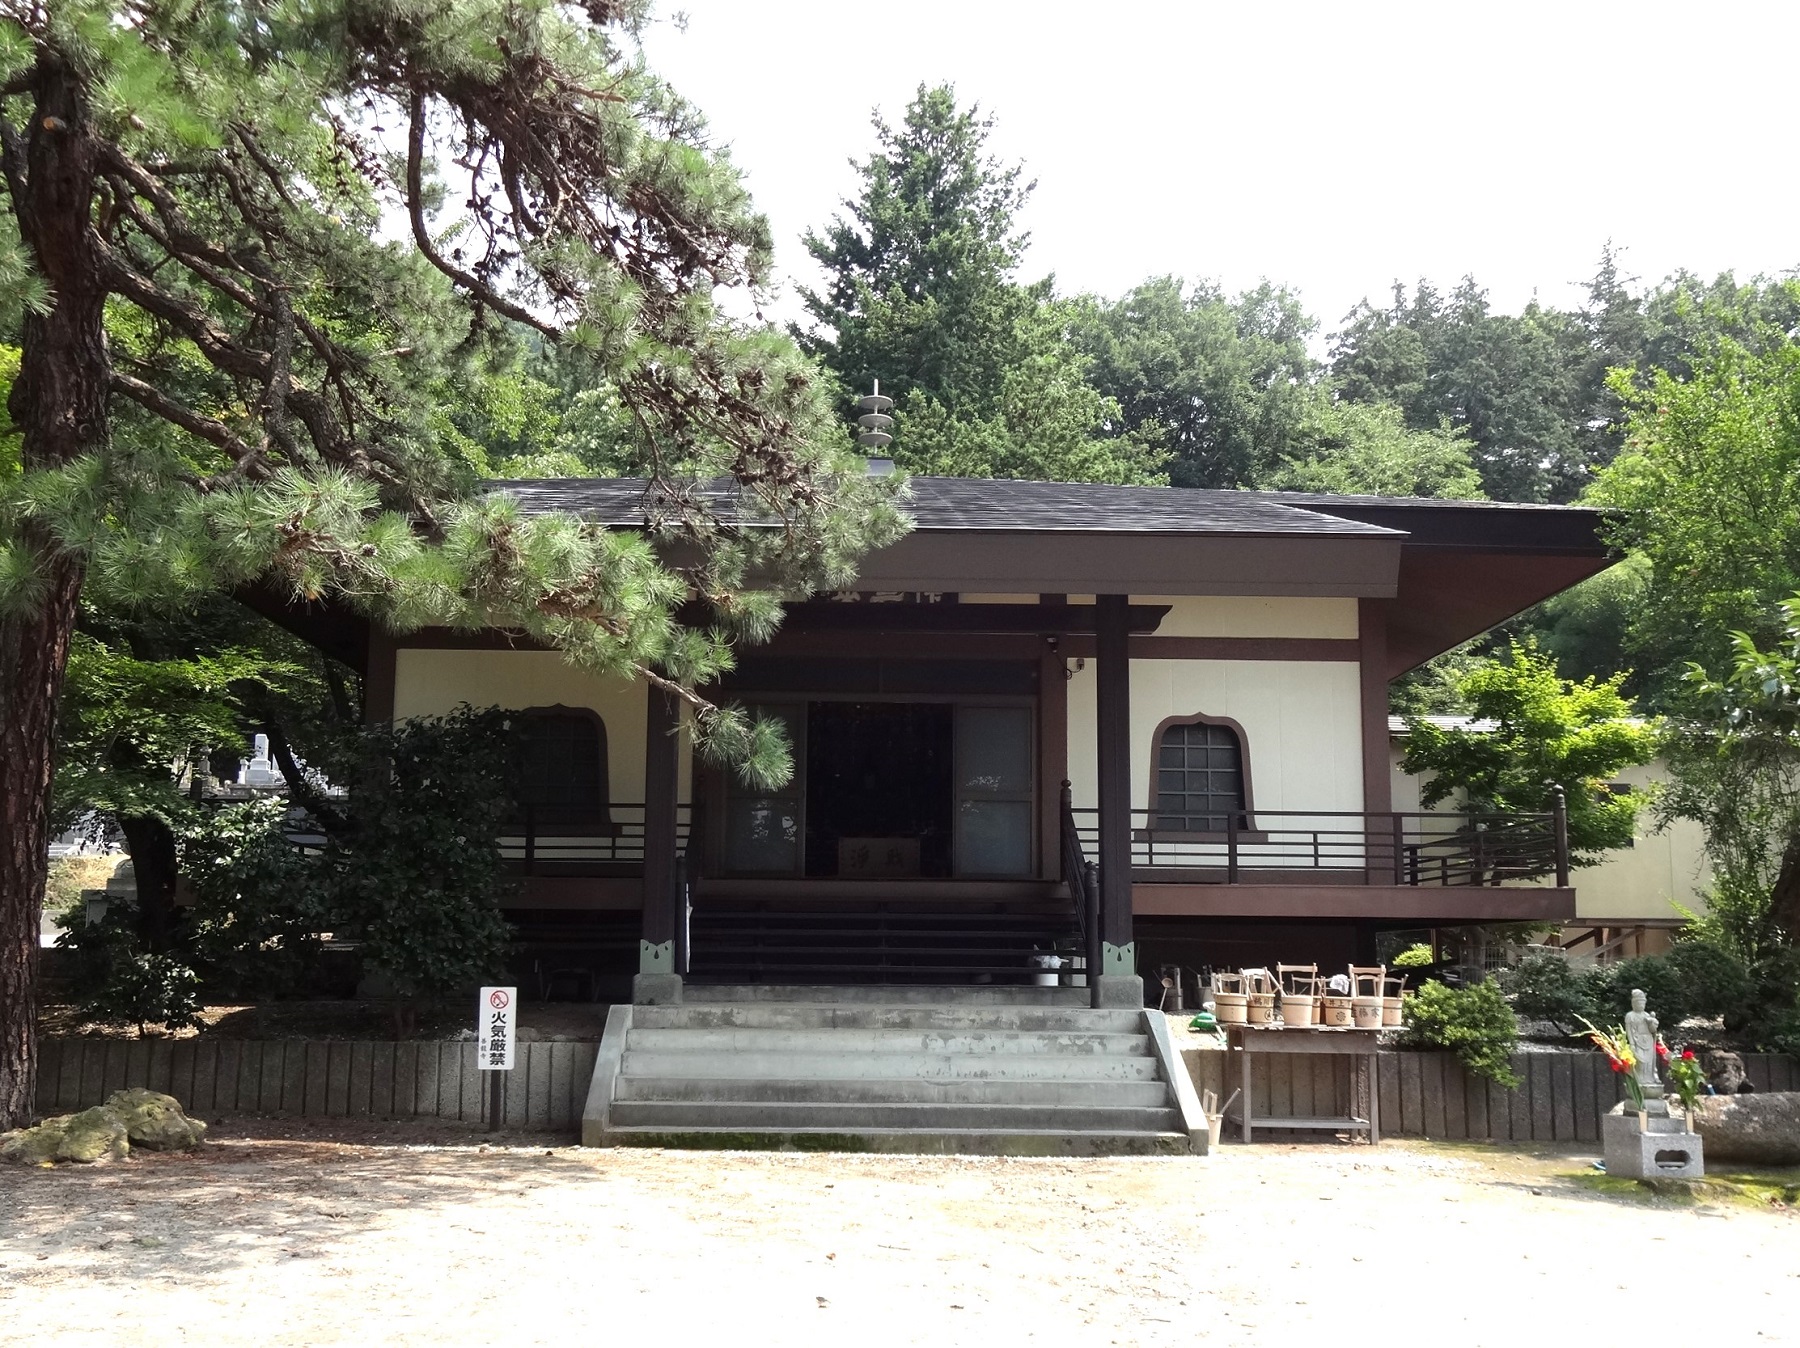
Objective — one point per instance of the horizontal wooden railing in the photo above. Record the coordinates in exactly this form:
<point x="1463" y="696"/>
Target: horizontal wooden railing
<point x="1384" y="847"/>
<point x="534" y="846"/>
<point x="315" y="1078"/>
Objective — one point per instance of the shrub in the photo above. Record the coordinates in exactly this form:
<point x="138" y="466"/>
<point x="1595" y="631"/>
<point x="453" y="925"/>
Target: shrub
<point x="1666" y="994"/>
<point x="1716" y="980"/>
<point x="1777" y="978"/>
<point x="259" y="903"/>
<point x="1545" y="987"/>
<point x="1415" y="957"/>
<point x="117" y="983"/>
<point x="1779" y="1033"/>
<point x="419" y="868"/>
<point x="1474" y="1023"/>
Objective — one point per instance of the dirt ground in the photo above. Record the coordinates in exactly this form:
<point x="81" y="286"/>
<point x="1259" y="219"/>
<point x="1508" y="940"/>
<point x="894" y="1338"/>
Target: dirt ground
<point x="281" y="1234"/>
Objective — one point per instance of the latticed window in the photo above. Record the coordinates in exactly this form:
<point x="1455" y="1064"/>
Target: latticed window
<point x="1199" y="778"/>
<point x="562" y="767"/>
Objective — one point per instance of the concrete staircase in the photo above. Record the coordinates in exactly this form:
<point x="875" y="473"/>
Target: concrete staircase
<point x="1013" y="1071"/>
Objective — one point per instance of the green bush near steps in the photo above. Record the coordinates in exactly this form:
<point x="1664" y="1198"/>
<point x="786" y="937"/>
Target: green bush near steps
<point x="1474" y="1023"/>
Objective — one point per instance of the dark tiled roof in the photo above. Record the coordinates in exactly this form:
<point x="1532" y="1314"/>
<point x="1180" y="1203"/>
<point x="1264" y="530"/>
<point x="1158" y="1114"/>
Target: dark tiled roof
<point x="987" y="506"/>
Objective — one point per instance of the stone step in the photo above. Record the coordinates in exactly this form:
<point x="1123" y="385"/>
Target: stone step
<point x="834" y="1064"/>
<point x="895" y="1091"/>
<point x="838" y="1016"/>
<point x="1010" y="1043"/>
<point x="929" y="994"/>
<point x="763" y="1116"/>
<point x="917" y="1141"/>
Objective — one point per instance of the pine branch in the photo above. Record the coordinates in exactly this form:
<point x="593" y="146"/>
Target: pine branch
<point x="415" y="210"/>
<point x="249" y="461"/>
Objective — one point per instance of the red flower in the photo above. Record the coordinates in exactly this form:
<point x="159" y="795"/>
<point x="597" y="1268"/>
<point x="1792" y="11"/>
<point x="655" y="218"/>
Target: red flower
<point x="1662" y="1049"/>
<point x="1687" y="1054"/>
<point x="1617" y="1066"/>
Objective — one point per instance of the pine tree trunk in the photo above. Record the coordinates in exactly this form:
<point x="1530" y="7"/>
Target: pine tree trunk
<point x="59" y="405"/>
<point x="33" y="653"/>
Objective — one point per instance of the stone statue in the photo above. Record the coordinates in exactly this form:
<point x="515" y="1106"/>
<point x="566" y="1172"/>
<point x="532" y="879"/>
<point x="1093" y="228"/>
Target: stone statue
<point x="1641" y="1032"/>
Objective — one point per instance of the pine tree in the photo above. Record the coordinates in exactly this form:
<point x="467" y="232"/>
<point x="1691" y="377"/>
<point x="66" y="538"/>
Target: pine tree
<point x="226" y="370"/>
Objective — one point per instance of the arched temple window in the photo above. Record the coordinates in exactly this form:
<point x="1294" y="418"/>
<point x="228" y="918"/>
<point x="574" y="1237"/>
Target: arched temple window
<point x="562" y="767"/>
<point x="1200" y="776"/>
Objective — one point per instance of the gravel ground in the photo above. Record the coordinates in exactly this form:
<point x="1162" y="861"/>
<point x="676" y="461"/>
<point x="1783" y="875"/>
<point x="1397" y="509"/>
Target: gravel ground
<point x="281" y="1234"/>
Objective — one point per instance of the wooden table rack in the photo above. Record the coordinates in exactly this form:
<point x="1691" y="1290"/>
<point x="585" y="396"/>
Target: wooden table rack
<point x="1358" y="1046"/>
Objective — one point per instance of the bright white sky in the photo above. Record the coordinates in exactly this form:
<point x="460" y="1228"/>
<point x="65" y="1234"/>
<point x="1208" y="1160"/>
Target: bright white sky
<point x="1330" y="146"/>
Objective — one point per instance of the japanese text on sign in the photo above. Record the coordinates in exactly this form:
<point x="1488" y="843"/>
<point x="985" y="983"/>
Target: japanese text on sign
<point x="496" y="1014"/>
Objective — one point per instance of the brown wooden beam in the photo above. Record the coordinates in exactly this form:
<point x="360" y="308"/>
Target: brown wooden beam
<point x="1376" y="903"/>
<point x="1046" y="619"/>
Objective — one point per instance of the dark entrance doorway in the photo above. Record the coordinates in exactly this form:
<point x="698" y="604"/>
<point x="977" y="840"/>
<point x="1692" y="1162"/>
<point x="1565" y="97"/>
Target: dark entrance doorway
<point x="880" y="803"/>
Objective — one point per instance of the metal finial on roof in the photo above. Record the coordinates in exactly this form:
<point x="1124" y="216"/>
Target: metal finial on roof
<point x="872" y="430"/>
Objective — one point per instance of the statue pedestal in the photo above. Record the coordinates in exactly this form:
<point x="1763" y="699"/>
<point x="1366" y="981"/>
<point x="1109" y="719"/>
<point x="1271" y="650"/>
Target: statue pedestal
<point x="1660" y="1148"/>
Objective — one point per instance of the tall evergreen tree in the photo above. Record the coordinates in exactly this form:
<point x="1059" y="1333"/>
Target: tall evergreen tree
<point x="226" y="373"/>
<point x="1509" y="382"/>
<point x="921" y="293"/>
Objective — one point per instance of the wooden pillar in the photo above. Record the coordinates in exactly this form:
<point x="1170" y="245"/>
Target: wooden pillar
<point x="1113" y="729"/>
<point x="1053" y="758"/>
<point x="657" y="980"/>
<point x="1371" y="628"/>
<point x="1382" y="835"/>
<point x="380" y="676"/>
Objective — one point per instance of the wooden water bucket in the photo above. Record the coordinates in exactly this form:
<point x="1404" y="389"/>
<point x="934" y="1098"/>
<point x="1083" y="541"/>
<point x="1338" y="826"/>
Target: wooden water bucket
<point x="1392" y="1007"/>
<point x="1365" y="990"/>
<point x="1299" y="1009"/>
<point x="1338" y="1012"/>
<point x="1261" y="1008"/>
<point x="1232" y="1008"/>
<point x="1299" y="985"/>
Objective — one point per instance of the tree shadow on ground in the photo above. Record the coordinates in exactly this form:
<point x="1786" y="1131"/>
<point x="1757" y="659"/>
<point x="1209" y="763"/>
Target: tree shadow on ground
<point x="262" y="1188"/>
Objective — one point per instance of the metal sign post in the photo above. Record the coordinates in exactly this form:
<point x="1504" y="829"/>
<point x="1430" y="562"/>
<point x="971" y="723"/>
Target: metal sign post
<point x="496" y="1019"/>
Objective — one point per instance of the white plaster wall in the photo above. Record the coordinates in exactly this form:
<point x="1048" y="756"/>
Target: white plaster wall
<point x="1301" y="720"/>
<point x="1640" y="883"/>
<point x="433" y="682"/>
<point x="1227" y="616"/>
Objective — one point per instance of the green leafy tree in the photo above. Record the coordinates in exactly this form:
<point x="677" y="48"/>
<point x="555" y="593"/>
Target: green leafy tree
<point x="1587" y="628"/>
<point x="1225" y="382"/>
<point x="1735" y="761"/>
<point x="922" y="294"/>
<point x="1367" y="448"/>
<point x="1707" y="492"/>
<point x="229" y="370"/>
<point x="154" y="701"/>
<point x="1542" y="732"/>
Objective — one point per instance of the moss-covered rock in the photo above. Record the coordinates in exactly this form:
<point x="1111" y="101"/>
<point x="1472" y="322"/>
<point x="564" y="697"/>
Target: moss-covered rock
<point x="105" y="1132"/>
<point x="155" y="1120"/>
<point x="32" y="1146"/>
<point x="96" y="1134"/>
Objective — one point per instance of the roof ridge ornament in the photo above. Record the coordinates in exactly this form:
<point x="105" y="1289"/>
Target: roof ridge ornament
<point x="873" y="425"/>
